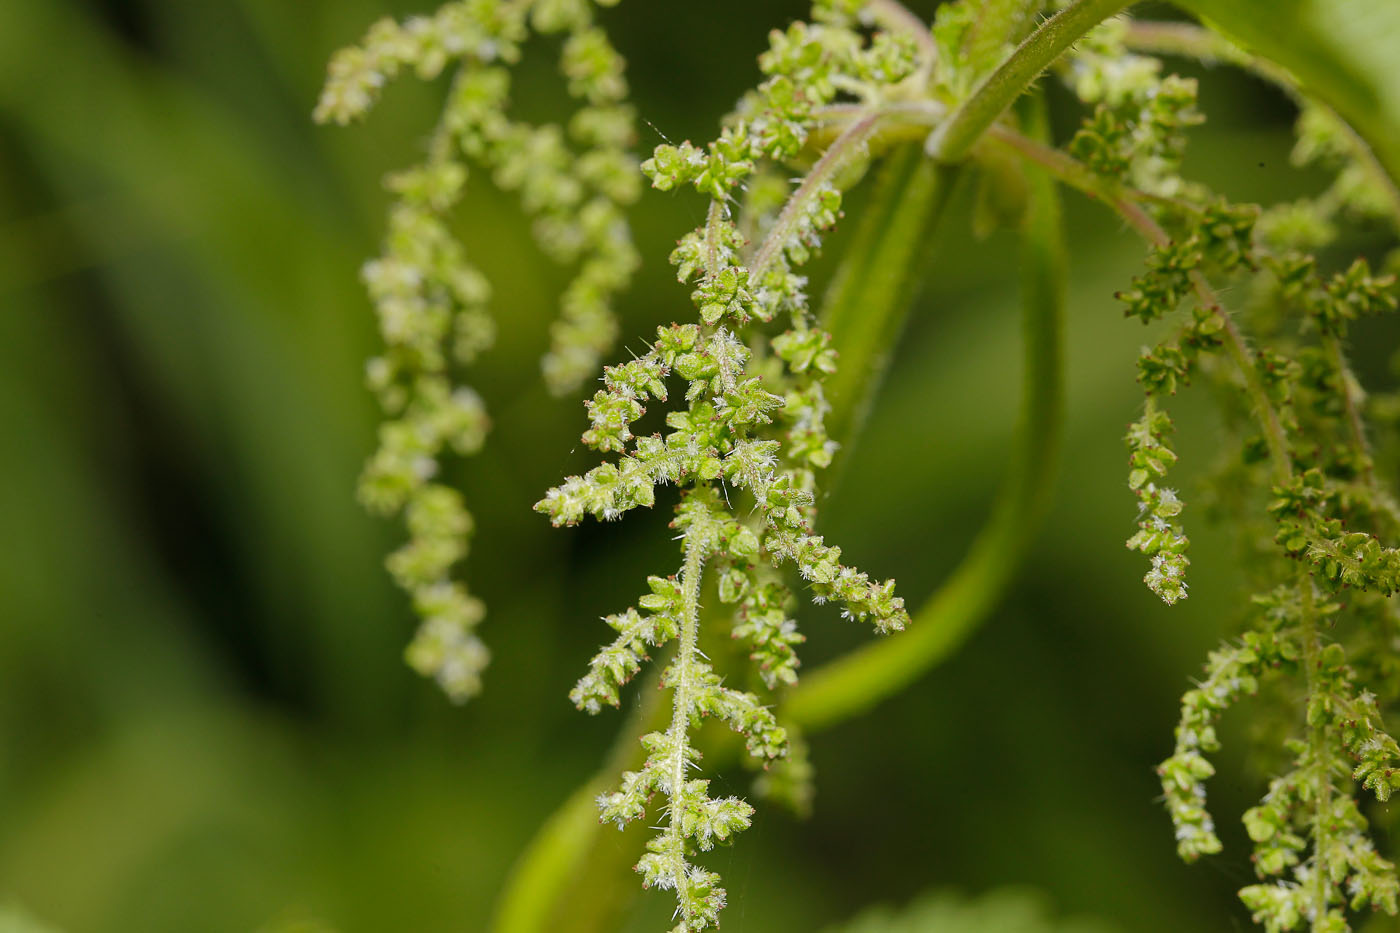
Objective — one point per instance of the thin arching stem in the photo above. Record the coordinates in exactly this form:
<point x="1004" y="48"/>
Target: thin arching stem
<point x="1355" y="426"/>
<point x="1128" y="205"/>
<point x="851" y="141"/>
<point x="873" y="291"/>
<point x="1318" y="750"/>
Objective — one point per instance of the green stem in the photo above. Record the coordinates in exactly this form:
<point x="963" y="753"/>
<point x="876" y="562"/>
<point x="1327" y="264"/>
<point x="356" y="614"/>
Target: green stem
<point x="873" y="291"/>
<point x="857" y="681"/>
<point x="560" y="856"/>
<point x="1318" y="749"/>
<point x="847" y="144"/>
<point x="1350" y="390"/>
<point x="564" y="844"/>
<point x="1187" y="40"/>
<point x="953" y="138"/>
<point x="998" y="22"/>
<point x="713" y="219"/>
<point x="682" y="701"/>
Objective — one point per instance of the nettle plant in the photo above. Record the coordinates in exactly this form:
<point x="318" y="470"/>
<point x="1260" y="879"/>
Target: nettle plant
<point x="760" y="388"/>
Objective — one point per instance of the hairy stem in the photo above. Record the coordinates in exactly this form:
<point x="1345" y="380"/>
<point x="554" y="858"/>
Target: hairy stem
<point x="953" y="138"/>
<point x="847" y="144"/>
<point x="852" y="684"/>
<point x="1319" y="751"/>
<point x="712" y="222"/>
<point x="565" y="854"/>
<point x="873" y="290"/>
<point x="1355" y="425"/>
<point x="1126" y="204"/>
<point x="681" y="699"/>
<point x="998" y="22"/>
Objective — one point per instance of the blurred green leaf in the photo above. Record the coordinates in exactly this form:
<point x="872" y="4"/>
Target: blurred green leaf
<point x="1343" y="51"/>
<point x="1002" y="911"/>
<point x="15" y="920"/>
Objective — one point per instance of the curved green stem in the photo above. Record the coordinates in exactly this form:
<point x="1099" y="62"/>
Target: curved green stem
<point x="953" y="138"/>
<point x="873" y="291"/>
<point x="553" y="861"/>
<point x="1320" y="753"/>
<point x="1352" y="397"/>
<point x="851" y="140"/>
<point x="997" y="22"/>
<point x="856" y="682"/>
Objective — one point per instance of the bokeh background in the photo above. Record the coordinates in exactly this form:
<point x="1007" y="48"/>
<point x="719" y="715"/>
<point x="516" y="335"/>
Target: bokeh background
<point x="205" y="723"/>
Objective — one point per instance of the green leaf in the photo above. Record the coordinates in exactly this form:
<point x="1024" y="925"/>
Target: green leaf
<point x="1341" y="51"/>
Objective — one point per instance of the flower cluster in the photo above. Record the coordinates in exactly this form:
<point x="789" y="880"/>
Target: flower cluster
<point x="744" y="392"/>
<point x="751" y="432"/>
<point x="432" y="302"/>
<point x="1305" y="802"/>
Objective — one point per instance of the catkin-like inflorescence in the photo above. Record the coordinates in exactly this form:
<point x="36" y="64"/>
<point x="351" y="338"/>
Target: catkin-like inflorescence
<point x="744" y="445"/>
<point x="745" y="435"/>
<point x="432" y="302"/>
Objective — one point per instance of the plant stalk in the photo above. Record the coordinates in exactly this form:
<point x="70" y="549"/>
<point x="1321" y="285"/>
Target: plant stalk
<point x="953" y="138"/>
<point x="847" y="144"/>
<point x="870" y="298"/>
<point x="682" y="700"/>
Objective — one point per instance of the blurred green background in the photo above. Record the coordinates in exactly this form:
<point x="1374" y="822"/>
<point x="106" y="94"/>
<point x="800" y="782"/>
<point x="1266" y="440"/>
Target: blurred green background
<point x="204" y="720"/>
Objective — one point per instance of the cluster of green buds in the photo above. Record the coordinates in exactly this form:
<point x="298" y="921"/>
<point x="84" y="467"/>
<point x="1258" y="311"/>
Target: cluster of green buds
<point x="1213" y="238"/>
<point x="744" y="386"/>
<point x="432" y="302"/>
<point x="1136" y="132"/>
<point x="744" y="448"/>
<point x="1307" y="803"/>
<point x="1159" y="536"/>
